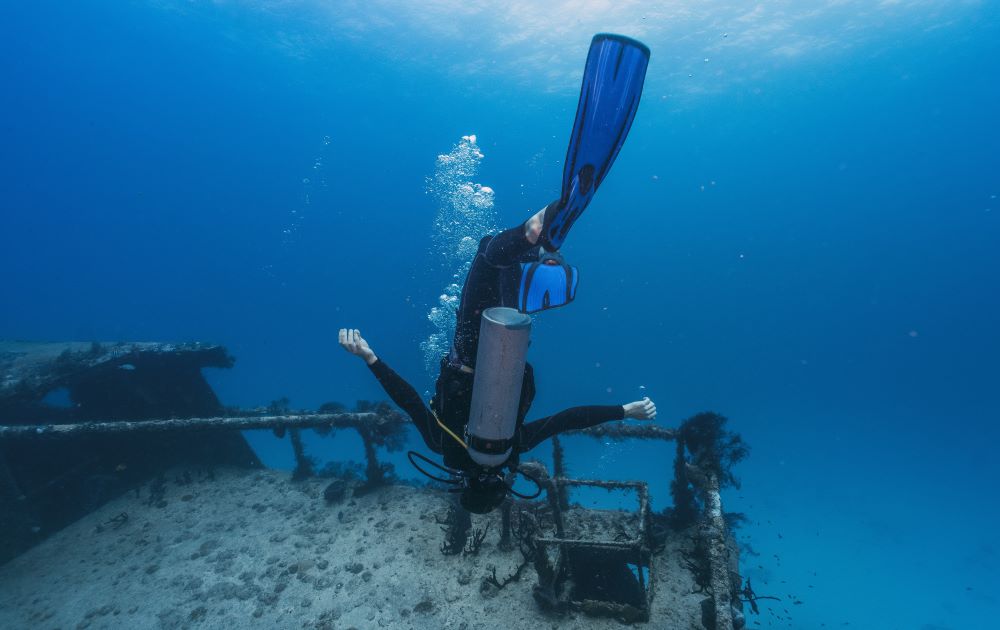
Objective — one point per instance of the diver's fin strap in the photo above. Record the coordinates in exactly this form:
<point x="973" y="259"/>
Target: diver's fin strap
<point x="546" y="284"/>
<point x="447" y="430"/>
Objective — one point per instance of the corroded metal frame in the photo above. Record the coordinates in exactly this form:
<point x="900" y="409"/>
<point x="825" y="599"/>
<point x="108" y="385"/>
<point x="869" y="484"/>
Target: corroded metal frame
<point x="635" y="547"/>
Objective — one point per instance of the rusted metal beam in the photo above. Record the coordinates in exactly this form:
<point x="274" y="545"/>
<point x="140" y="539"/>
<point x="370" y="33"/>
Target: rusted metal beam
<point x="541" y="473"/>
<point x="633" y="543"/>
<point x="713" y="530"/>
<point x="559" y="468"/>
<point x="621" y="431"/>
<point x="598" y="544"/>
<point x="301" y="420"/>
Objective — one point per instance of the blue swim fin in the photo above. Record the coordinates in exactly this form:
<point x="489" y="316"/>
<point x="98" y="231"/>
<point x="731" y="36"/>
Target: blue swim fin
<point x="546" y="283"/>
<point x="609" y="97"/>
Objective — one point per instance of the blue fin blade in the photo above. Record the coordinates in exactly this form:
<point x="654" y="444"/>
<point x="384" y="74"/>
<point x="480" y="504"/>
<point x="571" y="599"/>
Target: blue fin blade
<point x="609" y="97"/>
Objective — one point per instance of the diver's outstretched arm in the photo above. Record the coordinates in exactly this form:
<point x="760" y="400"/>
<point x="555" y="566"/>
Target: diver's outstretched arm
<point x="576" y="418"/>
<point x="572" y="419"/>
<point x="401" y="392"/>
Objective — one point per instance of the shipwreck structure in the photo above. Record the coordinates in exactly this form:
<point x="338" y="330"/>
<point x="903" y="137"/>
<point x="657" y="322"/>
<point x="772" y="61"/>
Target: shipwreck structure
<point x="81" y="423"/>
<point x="47" y="484"/>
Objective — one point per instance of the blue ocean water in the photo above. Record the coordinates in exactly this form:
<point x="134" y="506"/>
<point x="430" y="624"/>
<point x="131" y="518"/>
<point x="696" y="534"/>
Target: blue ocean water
<point x="801" y="234"/>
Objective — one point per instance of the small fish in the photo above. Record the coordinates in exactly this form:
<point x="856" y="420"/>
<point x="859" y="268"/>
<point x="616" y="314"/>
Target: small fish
<point x="120" y="467"/>
<point x="126" y="366"/>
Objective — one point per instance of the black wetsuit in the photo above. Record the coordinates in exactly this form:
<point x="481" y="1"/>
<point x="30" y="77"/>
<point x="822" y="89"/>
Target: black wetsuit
<point x="493" y="280"/>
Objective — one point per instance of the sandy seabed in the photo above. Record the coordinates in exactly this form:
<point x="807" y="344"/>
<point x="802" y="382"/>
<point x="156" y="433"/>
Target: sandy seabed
<point x="252" y="549"/>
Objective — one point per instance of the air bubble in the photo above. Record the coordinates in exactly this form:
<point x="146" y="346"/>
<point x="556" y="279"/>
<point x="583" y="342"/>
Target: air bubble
<point x="465" y="214"/>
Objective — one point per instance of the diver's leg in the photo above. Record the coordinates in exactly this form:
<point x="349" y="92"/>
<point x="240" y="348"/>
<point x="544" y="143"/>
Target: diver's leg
<point x="518" y="244"/>
<point x="491" y="282"/>
<point x="481" y="291"/>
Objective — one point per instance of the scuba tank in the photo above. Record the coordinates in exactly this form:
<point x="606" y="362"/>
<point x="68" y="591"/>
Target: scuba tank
<point x="493" y="413"/>
<point x="496" y="389"/>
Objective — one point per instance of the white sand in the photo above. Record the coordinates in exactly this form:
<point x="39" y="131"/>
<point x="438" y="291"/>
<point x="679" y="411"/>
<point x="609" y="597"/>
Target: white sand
<point x="253" y="549"/>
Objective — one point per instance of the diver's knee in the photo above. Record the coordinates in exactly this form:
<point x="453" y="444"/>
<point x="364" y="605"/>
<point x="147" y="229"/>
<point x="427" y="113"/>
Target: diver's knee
<point x="533" y="227"/>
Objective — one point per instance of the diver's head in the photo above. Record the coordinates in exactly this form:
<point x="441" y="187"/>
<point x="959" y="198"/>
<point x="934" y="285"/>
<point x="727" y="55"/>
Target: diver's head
<point x="482" y="489"/>
<point x="483" y="492"/>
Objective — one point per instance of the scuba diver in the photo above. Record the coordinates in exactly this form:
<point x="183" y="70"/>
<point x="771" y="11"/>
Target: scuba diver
<point x="476" y="419"/>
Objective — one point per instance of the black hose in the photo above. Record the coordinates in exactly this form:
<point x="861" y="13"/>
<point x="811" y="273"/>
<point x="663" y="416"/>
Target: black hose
<point x="526" y="497"/>
<point x="455" y="478"/>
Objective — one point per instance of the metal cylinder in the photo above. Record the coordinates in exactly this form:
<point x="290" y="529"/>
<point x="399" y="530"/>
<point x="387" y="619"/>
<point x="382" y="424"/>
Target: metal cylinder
<point x="496" y="387"/>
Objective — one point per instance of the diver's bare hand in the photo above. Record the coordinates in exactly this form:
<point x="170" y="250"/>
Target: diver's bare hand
<point x="643" y="409"/>
<point x="352" y="341"/>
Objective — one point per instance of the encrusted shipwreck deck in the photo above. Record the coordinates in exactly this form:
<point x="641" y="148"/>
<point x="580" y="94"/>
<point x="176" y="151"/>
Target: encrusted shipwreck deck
<point x="114" y="516"/>
<point x="244" y="548"/>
